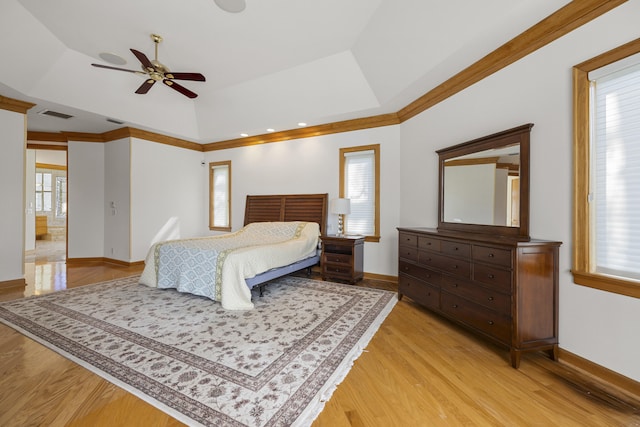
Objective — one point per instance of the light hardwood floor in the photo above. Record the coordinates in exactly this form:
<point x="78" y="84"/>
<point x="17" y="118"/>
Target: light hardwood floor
<point x="418" y="370"/>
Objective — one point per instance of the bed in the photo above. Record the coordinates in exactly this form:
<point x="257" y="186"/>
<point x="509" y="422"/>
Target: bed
<point x="279" y="237"/>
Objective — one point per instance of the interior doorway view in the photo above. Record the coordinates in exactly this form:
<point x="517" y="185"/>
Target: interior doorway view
<point x="46" y="212"/>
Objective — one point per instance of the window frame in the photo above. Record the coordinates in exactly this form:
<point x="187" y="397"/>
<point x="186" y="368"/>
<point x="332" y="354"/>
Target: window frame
<point x="40" y="194"/>
<point x="376" y="153"/>
<point x="212" y="166"/>
<point x="583" y="271"/>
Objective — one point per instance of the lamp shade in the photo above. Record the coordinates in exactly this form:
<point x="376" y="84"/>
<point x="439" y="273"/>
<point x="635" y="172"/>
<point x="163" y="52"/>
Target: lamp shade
<point x="340" y="206"/>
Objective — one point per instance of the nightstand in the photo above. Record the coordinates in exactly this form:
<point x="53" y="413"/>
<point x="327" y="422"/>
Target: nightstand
<point x="342" y="257"/>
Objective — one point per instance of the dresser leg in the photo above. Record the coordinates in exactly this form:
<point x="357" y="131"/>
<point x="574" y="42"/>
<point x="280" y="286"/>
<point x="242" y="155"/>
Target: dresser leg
<point x="553" y="352"/>
<point x="399" y="296"/>
<point x="515" y="358"/>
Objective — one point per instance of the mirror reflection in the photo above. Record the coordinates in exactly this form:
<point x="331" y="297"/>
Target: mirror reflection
<point x="483" y="187"/>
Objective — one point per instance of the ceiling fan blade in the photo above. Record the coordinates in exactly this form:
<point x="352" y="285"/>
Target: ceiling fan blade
<point x="143" y="59"/>
<point x="119" y="69"/>
<point x="144" y="88"/>
<point x="183" y="90"/>
<point x="185" y="76"/>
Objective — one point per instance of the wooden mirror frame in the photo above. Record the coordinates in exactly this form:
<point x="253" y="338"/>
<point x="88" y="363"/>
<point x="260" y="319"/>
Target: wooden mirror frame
<point x="519" y="135"/>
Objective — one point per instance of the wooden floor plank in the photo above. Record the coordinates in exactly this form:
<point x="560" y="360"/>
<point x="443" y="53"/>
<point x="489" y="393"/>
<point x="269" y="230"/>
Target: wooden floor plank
<point x="418" y="370"/>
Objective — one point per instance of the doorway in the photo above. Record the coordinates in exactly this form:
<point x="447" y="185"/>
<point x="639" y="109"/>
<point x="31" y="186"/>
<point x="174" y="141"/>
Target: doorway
<point x="46" y="213"/>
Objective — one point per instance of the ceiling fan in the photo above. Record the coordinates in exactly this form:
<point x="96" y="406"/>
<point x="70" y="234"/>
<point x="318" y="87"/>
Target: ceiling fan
<point x="158" y="72"/>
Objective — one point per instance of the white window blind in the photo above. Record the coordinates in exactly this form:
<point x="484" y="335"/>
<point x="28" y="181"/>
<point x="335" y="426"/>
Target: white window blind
<point x="615" y="172"/>
<point x="220" y="196"/>
<point x="360" y="188"/>
<point x="43" y="192"/>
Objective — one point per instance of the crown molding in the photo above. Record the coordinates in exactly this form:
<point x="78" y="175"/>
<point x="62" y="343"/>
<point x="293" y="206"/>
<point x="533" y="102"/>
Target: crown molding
<point x="561" y="22"/>
<point x="32" y="146"/>
<point x="113" y="135"/>
<point x="556" y="25"/>
<point x="46" y="136"/>
<point x="164" y="139"/>
<point x="307" y="132"/>
<point x="14" y="105"/>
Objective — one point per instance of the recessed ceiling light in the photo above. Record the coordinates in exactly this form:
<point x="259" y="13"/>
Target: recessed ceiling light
<point x="231" y="6"/>
<point x="302" y="124"/>
<point x="271" y="130"/>
<point x="244" y="135"/>
<point x="112" y="58"/>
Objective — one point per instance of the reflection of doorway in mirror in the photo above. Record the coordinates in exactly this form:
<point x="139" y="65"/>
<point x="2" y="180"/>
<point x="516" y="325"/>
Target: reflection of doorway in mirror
<point x="514" y="202"/>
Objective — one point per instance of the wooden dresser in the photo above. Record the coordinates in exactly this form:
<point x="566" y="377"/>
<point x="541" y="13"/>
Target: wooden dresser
<point x="501" y="288"/>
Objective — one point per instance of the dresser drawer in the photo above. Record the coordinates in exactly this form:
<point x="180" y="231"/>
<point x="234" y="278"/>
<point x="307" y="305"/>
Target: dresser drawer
<point x="407" y="239"/>
<point x="472" y="291"/>
<point x="337" y="271"/>
<point x="337" y="258"/>
<point x="462" y="250"/>
<point x="456" y="266"/>
<point x="494" y="277"/>
<point x="419" y="291"/>
<point x="488" y="321"/>
<point x="492" y="255"/>
<point x="421" y="273"/>
<point x="429" y="243"/>
<point x="408" y="252"/>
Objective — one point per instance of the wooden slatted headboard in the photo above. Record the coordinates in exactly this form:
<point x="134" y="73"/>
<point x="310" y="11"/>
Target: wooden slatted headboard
<point x="287" y="207"/>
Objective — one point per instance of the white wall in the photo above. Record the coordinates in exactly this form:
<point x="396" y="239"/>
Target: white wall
<point x="600" y="326"/>
<point x="51" y="157"/>
<point x="86" y="190"/>
<point x="166" y="182"/>
<point x="116" y="202"/>
<point x="12" y="188"/>
<point x="311" y="165"/>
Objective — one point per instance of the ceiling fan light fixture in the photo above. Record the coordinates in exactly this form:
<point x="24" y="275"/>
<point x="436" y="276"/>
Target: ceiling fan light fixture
<point x="231" y="6"/>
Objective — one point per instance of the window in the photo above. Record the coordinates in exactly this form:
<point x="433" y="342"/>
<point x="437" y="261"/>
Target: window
<point x="360" y="183"/>
<point x="220" y="196"/>
<point x="61" y="196"/>
<point x="43" y="192"/>
<point x="606" y="159"/>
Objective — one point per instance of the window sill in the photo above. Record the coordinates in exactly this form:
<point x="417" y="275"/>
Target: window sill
<point x="616" y="285"/>
<point x="220" y="228"/>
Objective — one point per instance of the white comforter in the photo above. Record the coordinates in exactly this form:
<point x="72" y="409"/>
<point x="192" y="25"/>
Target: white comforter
<point x="254" y="249"/>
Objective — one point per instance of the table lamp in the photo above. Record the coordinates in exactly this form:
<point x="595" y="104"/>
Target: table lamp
<point x="341" y="207"/>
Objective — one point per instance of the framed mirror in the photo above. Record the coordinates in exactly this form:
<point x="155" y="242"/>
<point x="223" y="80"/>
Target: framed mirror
<point x="484" y="184"/>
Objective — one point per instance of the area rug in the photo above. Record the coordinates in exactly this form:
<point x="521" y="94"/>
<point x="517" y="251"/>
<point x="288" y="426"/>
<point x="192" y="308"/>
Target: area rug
<point x="275" y="365"/>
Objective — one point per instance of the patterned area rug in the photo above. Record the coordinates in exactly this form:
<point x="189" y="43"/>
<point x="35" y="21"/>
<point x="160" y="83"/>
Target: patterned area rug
<point x="275" y="365"/>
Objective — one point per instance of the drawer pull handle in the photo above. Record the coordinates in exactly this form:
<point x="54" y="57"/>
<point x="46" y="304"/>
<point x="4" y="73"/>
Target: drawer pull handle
<point x="428" y="294"/>
<point x="455" y="285"/>
<point x="490" y="298"/>
<point x="406" y="268"/>
<point x="490" y="322"/>
<point x="428" y="243"/>
<point x="428" y="276"/>
<point x="455" y="267"/>
<point x="455" y="249"/>
<point x="455" y="306"/>
<point x="491" y="276"/>
<point x="491" y="255"/>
